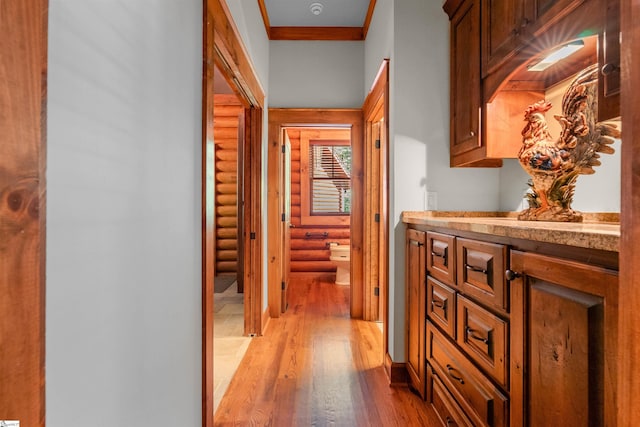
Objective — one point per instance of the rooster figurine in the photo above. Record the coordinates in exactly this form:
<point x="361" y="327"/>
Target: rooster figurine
<point x="554" y="165"/>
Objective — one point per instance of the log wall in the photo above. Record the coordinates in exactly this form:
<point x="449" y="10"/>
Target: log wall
<point x="309" y="254"/>
<point x="226" y="117"/>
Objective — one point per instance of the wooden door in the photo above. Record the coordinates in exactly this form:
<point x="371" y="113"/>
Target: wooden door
<point x="416" y="272"/>
<point x="285" y="184"/>
<point x="501" y="26"/>
<point x="240" y="204"/>
<point x="563" y="342"/>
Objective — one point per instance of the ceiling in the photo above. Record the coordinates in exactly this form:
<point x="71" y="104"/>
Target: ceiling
<point x="336" y="20"/>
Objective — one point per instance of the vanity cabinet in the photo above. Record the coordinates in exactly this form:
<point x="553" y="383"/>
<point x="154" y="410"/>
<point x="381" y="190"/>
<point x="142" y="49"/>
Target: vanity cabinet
<point x="415" y="292"/>
<point x="517" y="333"/>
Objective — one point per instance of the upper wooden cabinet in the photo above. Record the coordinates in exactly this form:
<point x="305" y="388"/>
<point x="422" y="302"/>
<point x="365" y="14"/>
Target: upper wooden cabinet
<point x="492" y="43"/>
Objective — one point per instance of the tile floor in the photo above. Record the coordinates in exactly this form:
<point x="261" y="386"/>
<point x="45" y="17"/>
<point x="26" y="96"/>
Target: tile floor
<point x="229" y="345"/>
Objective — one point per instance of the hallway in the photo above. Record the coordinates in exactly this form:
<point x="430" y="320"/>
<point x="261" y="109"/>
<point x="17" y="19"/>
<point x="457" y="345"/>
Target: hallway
<point x="316" y="366"/>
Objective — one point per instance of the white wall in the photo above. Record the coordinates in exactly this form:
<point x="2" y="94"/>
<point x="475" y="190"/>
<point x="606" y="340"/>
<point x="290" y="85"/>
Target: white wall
<point x="316" y="74"/>
<point x="123" y="307"/>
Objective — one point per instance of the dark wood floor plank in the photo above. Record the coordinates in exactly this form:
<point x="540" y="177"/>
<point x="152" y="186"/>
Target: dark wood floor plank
<point x="317" y="367"/>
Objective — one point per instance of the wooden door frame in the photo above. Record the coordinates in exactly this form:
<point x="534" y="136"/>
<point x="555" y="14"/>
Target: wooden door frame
<point x="629" y="287"/>
<point x="222" y="47"/>
<point x="280" y="118"/>
<point x="23" y="102"/>
<point x="376" y="105"/>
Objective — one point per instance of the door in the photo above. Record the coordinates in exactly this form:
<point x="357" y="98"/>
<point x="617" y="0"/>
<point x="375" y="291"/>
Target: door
<point x="285" y="184"/>
<point x="240" y="204"/>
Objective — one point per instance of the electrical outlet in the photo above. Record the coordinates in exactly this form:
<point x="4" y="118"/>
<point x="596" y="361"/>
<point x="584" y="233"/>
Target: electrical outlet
<point x="432" y="201"/>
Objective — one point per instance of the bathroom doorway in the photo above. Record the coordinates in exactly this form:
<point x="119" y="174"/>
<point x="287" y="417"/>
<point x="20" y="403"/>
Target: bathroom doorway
<point x="324" y="135"/>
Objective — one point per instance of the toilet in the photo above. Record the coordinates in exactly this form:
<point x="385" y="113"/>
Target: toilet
<point x="341" y="256"/>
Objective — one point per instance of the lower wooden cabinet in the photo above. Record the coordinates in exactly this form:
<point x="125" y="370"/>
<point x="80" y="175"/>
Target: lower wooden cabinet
<point x="534" y="347"/>
<point x="415" y="308"/>
<point x="563" y="342"/>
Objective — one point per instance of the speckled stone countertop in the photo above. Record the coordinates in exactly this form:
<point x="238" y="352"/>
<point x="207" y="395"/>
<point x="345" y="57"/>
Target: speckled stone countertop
<point x="598" y="231"/>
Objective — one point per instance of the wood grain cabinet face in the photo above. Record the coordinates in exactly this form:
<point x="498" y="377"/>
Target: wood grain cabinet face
<point x="445" y="406"/>
<point x="481" y="269"/>
<point x="502" y="22"/>
<point x="564" y="335"/>
<point x="415" y="308"/>
<point x="441" y="306"/>
<point x="484" y="337"/>
<point x="482" y="401"/>
<point x="441" y="257"/>
<point x="465" y="78"/>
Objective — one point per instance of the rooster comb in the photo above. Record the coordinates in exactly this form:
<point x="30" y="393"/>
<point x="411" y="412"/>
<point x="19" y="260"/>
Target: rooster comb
<point x="539" y="107"/>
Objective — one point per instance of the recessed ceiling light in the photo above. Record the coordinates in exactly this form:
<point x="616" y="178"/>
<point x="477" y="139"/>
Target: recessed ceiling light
<point x="316" y="8"/>
<point x="557" y="55"/>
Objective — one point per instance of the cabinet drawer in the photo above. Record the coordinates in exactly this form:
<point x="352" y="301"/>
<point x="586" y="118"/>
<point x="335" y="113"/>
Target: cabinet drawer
<point x="448" y="411"/>
<point x="483" y="402"/>
<point x="441" y="257"/>
<point x="441" y="306"/>
<point x="484" y="337"/>
<point x="481" y="269"/>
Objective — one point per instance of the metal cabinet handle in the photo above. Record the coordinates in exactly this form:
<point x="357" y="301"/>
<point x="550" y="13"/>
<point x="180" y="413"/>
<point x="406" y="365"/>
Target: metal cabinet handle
<point x="478" y="269"/>
<point x="416" y="243"/>
<point x="458" y="377"/>
<point x="609" y="68"/>
<point x="512" y="275"/>
<point x="438" y="303"/>
<point x="474" y="334"/>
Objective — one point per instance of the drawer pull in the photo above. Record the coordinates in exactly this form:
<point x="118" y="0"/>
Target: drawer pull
<point x="452" y="372"/>
<point x="416" y="243"/>
<point x="438" y="303"/>
<point x="443" y="255"/>
<point x="449" y="421"/>
<point x="473" y="334"/>
<point x="477" y="269"/>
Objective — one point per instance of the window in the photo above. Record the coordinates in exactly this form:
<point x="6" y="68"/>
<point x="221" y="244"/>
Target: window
<point x="330" y="178"/>
<point x="325" y="176"/>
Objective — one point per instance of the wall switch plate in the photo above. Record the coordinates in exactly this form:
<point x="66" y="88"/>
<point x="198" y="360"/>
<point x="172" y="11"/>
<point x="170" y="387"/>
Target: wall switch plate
<point x="432" y="201"/>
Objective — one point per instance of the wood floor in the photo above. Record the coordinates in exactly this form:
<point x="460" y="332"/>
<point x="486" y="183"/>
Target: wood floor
<point x="317" y="367"/>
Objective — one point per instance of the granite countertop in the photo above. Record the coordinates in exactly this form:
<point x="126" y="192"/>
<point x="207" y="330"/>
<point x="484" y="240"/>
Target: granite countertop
<point x="598" y="231"/>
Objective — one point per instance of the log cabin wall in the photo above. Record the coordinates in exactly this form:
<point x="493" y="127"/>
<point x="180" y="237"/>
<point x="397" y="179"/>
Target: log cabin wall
<point x="226" y="118"/>
<point x="310" y="255"/>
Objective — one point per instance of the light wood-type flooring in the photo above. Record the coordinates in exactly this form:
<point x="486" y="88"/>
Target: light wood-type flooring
<point x="317" y="367"/>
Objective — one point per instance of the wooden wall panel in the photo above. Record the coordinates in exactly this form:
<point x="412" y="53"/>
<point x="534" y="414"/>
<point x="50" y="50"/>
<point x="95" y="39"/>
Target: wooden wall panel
<point x="226" y="118"/>
<point x="309" y="253"/>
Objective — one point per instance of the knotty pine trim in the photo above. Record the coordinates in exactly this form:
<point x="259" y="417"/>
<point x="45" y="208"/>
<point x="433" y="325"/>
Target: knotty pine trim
<point x="317" y="33"/>
<point x="266" y="318"/>
<point x="396" y="372"/>
<point x="23" y="100"/>
<point x="265" y="17"/>
<point x="629" y="286"/>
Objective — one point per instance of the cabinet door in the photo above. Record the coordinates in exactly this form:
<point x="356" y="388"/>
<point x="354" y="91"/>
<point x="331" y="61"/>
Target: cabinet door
<point x="465" y="78"/>
<point x="609" y="60"/>
<point x="501" y="23"/>
<point x="415" y="308"/>
<point x="563" y="342"/>
<point x="542" y="14"/>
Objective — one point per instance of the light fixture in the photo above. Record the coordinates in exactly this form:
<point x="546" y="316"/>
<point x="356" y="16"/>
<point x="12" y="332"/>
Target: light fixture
<point x="316" y="8"/>
<point x="557" y="55"/>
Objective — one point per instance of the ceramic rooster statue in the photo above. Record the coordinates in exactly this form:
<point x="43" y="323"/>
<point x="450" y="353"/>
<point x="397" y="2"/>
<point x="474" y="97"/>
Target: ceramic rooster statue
<point x="554" y="165"/>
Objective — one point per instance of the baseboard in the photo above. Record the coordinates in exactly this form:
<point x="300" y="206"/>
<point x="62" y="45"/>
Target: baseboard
<point x="396" y="372"/>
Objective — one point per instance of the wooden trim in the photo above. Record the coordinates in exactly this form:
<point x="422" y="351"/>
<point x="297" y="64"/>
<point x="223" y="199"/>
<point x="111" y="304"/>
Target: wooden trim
<point x="367" y="19"/>
<point x="317" y="33"/>
<point x="278" y="119"/>
<point x="265" y="17"/>
<point x="208" y="226"/>
<point x="266" y="321"/>
<point x="629" y="288"/>
<point x="306" y="135"/>
<point x="396" y="372"/>
<point x="222" y="47"/>
<point x="23" y="101"/>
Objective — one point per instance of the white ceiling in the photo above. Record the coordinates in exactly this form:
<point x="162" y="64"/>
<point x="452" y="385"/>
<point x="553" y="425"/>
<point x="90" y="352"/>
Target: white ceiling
<point x="335" y="13"/>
